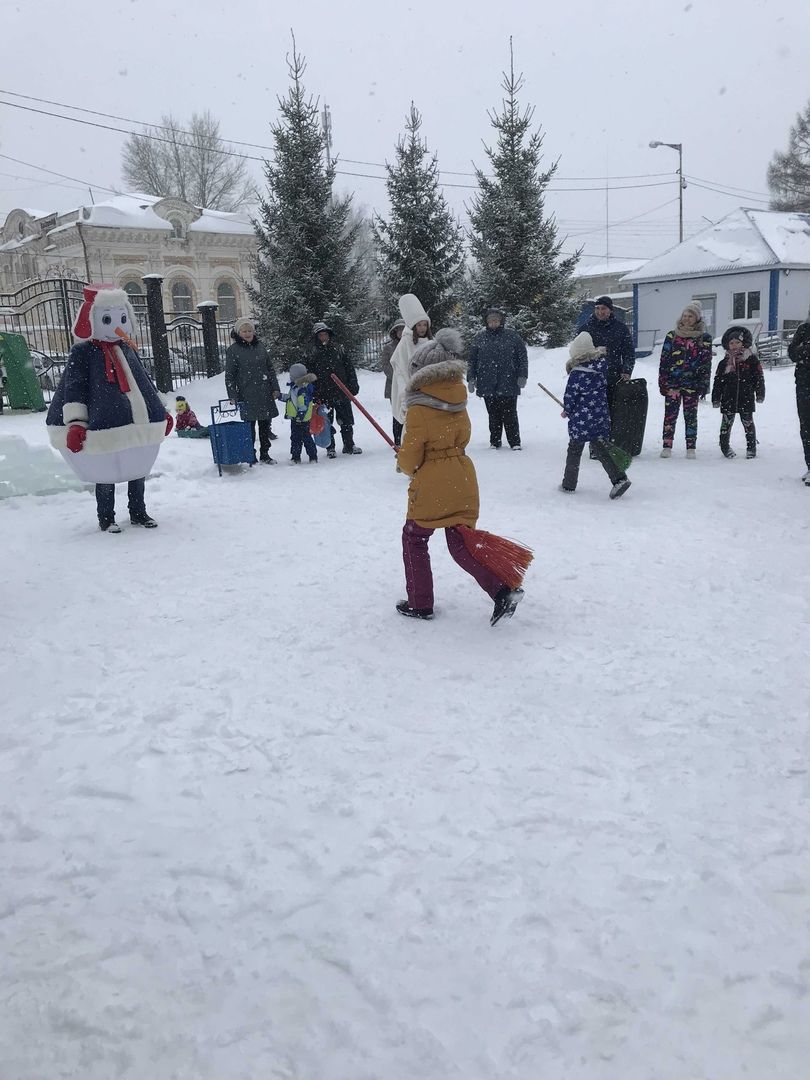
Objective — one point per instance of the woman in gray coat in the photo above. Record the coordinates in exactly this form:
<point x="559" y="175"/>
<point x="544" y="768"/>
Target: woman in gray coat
<point x="251" y="378"/>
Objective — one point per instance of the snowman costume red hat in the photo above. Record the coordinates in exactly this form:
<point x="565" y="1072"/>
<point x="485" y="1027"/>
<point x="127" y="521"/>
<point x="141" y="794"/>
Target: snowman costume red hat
<point x="106" y="417"/>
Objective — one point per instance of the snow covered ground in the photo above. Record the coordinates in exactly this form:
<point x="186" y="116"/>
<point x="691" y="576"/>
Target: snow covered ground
<point x="255" y="826"/>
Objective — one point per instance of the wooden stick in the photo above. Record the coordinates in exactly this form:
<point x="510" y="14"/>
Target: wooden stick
<point x="364" y="411"/>
<point x="552" y="396"/>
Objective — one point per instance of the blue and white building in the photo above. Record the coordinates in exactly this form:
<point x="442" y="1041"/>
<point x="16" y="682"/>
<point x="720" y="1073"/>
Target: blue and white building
<point x="753" y="266"/>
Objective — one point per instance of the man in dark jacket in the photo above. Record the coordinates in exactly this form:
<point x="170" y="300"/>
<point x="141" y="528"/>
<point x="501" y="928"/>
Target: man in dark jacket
<point x="605" y="329"/>
<point x="327" y="357"/>
<point x="497" y="371"/>
<point x="799" y="353"/>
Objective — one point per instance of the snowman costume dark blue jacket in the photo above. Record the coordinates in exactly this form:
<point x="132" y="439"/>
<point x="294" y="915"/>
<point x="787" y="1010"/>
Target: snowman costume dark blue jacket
<point x="585" y="397"/>
<point x="106" y="391"/>
<point x="114" y="420"/>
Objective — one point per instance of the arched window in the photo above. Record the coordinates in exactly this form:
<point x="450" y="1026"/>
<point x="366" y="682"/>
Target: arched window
<point x="226" y="298"/>
<point x="177" y="227"/>
<point x="182" y="300"/>
<point x="137" y="297"/>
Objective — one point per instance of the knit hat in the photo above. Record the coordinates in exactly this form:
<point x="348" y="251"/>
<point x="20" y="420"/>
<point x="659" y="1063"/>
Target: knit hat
<point x="605" y="301"/>
<point x="494" y="310"/>
<point x="244" y="323"/>
<point x="696" y="308"/>
<point x="320" y="326"/>
<point x="400" y="323"/>
<point x="297" y="371"/>
<point x="180" y="404"/>
<point x="447" y="345"/>
<point x="581" y="350"/>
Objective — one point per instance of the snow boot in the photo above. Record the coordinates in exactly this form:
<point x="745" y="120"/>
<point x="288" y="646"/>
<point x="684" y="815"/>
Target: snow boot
<point x="666" y="452"/>
<point x="144" y="521"/>
<point x="619" y="488"/>
<point x="806" y="478"/>
<point x="109" y="526"/>
<point x="506" y="600"/>
<point x="691" y="453"/>
<point x="352" y="449"/>
<point x="517" y="446"/>
<point x="404" y="608"/>
<point x="494" y="446"/>
<point x="331" y="452"/>
<point x="265" y="459"/>
<point x="751" y="452"/>
<point x="567" y="490"/>
<point x="295" y="461"/>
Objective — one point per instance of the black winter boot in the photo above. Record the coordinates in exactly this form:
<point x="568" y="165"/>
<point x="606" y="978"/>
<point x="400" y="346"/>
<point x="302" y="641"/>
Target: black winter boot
<point x="144" y="521"/>
<point x="506" y="600"/>
<point x="404" y="608"/>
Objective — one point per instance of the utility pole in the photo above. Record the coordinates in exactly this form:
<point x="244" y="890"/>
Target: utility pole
<point x="681" y="182"/>
<point x="326" y="124"/>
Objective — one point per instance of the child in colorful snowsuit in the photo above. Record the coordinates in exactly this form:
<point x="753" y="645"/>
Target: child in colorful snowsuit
<point x="683" y="375"/>
<point x="586" y="408"/>
<point x="738" y="382"/>
<point x="186" y="423"/>
<point x="298" y="410"/>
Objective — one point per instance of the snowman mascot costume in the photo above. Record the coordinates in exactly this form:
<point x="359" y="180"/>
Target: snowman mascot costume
<point x="410" y="307"/>
<point x="106" y="417"/>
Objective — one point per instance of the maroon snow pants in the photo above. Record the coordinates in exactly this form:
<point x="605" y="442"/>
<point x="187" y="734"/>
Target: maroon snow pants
<point x="418" y="575"/>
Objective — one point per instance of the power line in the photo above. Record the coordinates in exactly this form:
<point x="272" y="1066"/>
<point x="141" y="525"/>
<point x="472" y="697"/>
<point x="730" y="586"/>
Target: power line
<point x="262" y="146"/>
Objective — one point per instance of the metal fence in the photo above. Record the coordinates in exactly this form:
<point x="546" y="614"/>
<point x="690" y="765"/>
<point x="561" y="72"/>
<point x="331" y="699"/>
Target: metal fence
<point x="43" y="312"/>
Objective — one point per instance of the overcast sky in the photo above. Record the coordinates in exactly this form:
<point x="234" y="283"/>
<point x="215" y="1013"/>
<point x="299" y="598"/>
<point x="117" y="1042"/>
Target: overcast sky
<point x="724" y="77"/>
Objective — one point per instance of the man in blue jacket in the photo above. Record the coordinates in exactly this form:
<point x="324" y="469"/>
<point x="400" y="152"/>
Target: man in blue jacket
<point x="497" y="371"/>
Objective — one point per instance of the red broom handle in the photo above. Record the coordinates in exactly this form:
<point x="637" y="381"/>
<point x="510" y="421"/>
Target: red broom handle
<point x="364" y="411"/>
<point x="552" y="396"/>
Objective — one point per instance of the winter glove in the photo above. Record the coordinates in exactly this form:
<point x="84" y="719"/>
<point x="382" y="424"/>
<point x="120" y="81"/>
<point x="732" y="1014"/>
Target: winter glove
<point x="471" y="386"/>
<point x="760" y="398"/>
<point x="521" y="384"/>
<point x="169" y="423"/>
<point x="75" y="438"/>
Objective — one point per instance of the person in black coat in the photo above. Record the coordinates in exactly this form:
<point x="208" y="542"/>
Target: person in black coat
<point x="497" y="370"/>
<point x="251" y="379"/>
<point x="738" y="383"/>
<point x="799" y="353"/>
<point x="328" y="357"/>
<point x="606" y="330"/>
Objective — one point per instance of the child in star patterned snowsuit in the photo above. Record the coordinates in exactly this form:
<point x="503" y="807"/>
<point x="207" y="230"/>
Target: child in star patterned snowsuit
<point x="586" y="408"/>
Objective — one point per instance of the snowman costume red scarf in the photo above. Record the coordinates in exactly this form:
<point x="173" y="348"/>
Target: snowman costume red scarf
<point x="106" y="417"/>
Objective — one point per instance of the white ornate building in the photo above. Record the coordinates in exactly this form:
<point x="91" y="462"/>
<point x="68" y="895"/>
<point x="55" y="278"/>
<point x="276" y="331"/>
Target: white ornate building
<point x="202" y="255"/>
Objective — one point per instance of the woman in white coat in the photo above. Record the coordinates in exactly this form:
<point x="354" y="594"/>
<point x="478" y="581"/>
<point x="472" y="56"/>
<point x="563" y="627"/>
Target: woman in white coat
<point x="417" y="328"/>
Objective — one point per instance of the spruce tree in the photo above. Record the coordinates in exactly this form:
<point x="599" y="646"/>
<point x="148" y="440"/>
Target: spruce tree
<point x="420" y="248"/>
<point x="518" y="261"/>
<point x="307" y="266"/>
<point x="789" y="172"/>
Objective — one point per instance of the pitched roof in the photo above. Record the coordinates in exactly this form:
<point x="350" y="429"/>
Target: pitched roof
<point x="602" y="269"/>
<point x="743" y="240"/>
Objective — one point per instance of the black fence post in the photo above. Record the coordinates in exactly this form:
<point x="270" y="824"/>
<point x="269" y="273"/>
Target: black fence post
<point x="208" y="312"/>
<point x="157" y="332"/>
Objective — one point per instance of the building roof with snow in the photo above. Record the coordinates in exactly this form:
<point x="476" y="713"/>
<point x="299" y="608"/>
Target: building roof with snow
<point x="744" y="240"/>
<point x="603" y="269"/>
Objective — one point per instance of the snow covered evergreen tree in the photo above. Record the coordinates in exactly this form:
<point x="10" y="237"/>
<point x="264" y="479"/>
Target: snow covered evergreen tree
<point x="789" y="172"/>
<point x="308" y="267"/>
<point x="420" y="246"/>
<point x="518" y="261"/>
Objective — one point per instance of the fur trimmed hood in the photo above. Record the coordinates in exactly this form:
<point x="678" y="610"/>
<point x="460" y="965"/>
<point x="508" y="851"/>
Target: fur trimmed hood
<point x="445" y="370"/>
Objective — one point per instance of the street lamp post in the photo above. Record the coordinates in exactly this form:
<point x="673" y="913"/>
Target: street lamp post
<point x="681" y="182"/>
